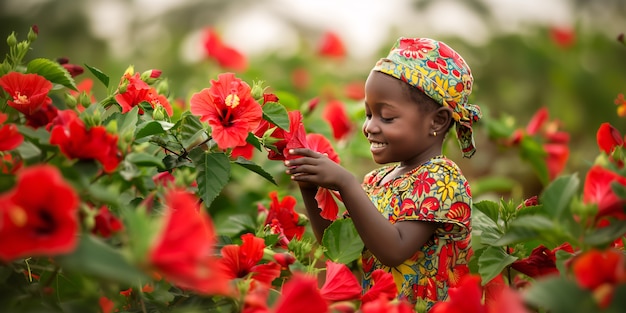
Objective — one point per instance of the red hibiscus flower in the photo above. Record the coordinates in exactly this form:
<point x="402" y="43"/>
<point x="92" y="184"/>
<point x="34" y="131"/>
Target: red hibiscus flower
<point x="284" y="212"/>
<point x="294" y="138"/>
<point x="137" y="91"/>
<point x="184" y="250"/>
<point x="608" y="138"/>
<point x="10" y="137"/>
<point x="29" y="95"/>
<point x="598" y="271"/>
<point x="466" y="297"/>
<point x="340" y="284"/>
<point x="226" y="56"/>
<point x="300" y="295"/>
<point x="336" y="116"/>
<point x="355" y="91"/>
<point x="541" y="262"/>
<point x="106" y="223"/>
<point x="331" y="46"/>
<point x="384" y="286"/>
<point x="597" y="189"/>
<point x="39" y="215"/>
<point x="29" y="92"/>
<point x="241" y="261"/>
<point x="77" y="142"/>
<point x="8" y="165"/>
<point x="229" y="109"/>
<point x="325" y="197"/>
<point x="563" y="37"/>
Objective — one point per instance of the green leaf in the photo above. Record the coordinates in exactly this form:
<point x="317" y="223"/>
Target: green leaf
<point x="492" y="262"/>
<point x="558" y="195"/>
<point x="619" y="189"/>
<point x="619" y="299"/>
<point x="103" y="78"/>
<point x="287" y="99"/>
<point x="213" y="173"/>
<point x="52" y="71"/>
<point x="190" y="129"/>
<point x="152" y="128"/>
<point x="94" y="257"/>
<point x="235" y="225"/>
<point x="342" y="242"/>
<point x="489" y="208"/>
<point x="255" y="168"/>
<point x="28" y="151"/>
<point x="526" y="228"/>
<point x="253" y="140"/>
<point x="144" y="159"/>
<point x="277" y="114"/>
<point x="605" y="235"/>
<point x="556" y="294"/>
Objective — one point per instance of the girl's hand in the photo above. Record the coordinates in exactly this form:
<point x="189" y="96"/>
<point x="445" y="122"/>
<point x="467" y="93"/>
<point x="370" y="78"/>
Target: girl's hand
<point x="314" y="168"/>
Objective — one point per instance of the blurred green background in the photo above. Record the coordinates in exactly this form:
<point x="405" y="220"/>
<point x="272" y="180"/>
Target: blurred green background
<point x="564" y="55"/>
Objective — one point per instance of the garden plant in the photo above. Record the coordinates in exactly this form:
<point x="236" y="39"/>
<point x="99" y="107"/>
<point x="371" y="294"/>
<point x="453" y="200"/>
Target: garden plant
<point x="116" y="203"/>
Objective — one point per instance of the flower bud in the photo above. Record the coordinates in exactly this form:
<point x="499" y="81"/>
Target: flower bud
<point x="150" y="76"/>
<point x="302" y="219"/>
<point x="112" y="127"/>
<point x="261" y="214"/>
<point x="12" y="40"/>
<point x="257" y="90"/>
<point x="84" y="99"/>
<point x="32" y="33"/>
<point x="70" y="101"/>
<point x="159" y="113"/>
<point x="22" y="48"/>
<point x="93" y="119"/>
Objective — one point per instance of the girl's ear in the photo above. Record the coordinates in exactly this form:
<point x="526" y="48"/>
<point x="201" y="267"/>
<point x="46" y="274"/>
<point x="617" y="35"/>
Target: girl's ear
<point x="442" y="119"/>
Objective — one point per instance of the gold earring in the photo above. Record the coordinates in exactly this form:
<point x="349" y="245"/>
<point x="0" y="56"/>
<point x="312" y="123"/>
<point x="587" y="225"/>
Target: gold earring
<point x="435" y="133"/>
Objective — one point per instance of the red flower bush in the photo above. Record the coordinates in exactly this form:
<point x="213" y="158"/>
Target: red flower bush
<point x="598" y="190"/>
<point x="243" y="261"/>
<point x="283" y="212"/>
<point x="331" y="46"/>
<point x="336" y="116"/>
<point x="133" y="91"/>
<point x="38" y="221"/>
<point x="29" y="95"/>
<point x="10" y="137"/>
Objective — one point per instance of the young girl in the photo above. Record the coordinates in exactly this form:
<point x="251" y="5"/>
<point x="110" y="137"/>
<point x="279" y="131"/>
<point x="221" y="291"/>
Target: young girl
<point x="413" y="214"/>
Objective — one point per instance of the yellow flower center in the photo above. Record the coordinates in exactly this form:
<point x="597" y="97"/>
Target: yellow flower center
<point x="232" y="101"/>
<point x="18" y="216"/>
<point x="20" y="99"/>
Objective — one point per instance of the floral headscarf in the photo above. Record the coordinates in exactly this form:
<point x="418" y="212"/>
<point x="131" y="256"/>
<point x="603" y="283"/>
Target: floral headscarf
<point x="442" y="74"/>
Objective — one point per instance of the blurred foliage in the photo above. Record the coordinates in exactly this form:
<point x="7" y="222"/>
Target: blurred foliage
<point x="515" y="74"/>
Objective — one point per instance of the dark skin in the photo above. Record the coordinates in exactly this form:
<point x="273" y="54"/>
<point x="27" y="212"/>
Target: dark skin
<point x="400" y="132"/>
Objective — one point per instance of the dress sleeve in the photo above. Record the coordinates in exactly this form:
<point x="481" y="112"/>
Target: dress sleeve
<point x="437" y="192"/>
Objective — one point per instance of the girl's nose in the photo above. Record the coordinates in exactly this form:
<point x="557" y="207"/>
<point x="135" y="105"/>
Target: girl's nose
<point x="369" y="127"/>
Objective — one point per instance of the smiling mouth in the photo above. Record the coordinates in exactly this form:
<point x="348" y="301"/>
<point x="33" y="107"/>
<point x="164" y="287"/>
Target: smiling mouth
<point x="377" y="145"/>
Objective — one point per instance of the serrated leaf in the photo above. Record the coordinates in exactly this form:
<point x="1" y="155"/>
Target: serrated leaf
<point x="52" y="71"/>
<point x="213" y="173"/>
<point x="558" y="195"/>
<point x="253" y="140"/>
<point x="94" y="257"/>
<point x="489" y="208"/>
<point x="152" y="128"/>
<point x="255" y="168"/>
<point x="342" y="241"/>
<point x="525" y="228"/>
<point x="276" y="114"/>
<point x="103" y="78"/>
<point x="492" y="262"/>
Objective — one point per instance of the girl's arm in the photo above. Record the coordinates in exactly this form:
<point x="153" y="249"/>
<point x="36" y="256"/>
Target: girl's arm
<point x="392" y="244"/>
<point x="318" y="223"/>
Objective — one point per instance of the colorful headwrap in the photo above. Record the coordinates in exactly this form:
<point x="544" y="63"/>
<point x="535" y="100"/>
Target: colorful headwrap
<point x="442" y="74"/>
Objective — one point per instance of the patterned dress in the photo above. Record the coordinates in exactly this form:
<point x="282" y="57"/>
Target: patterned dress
<point x="436" y="192"/>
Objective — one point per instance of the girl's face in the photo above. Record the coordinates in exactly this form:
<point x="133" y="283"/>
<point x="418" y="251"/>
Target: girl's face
<point x="397" y="129"/>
